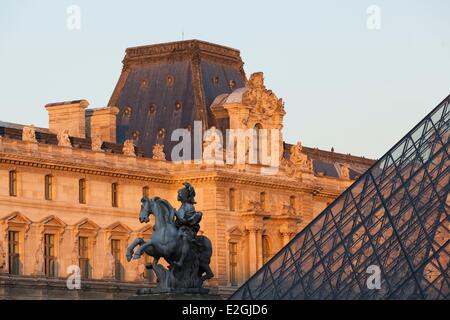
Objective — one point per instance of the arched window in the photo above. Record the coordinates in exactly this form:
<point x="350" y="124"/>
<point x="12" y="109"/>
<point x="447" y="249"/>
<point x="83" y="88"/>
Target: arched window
<point x="262" y="200"/>
<point x="49" y="187"/>
<point x="145" y="191"/>
<point x="232" y="199"/>
<point x="115" y="195"/>
<point x="13" y="183"/>
<point x="265" y="249"/>
<point x="257" y="143"/>
<point x="82" y="191"/>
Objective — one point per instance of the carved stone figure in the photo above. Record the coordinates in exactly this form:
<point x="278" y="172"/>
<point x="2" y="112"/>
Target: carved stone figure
<point x="110" y="262"/>
<point x="96" y="143"/>
<point x="176" y="240"/>
<point x="212" y="142"/>
<point x="255" y="206"/>
<point x="345" y="172"/>
<point x="140" y="270"/>
<point x="29" y="134"/>
<point x="63" y="139"/>
<point x="288" y="210"/>
<point x="299" y="159"/>
<point x="39" y="258"/>
<point x="263" y="100"/>
<point x="128" y="148"/>
<point x="158" y="152"/>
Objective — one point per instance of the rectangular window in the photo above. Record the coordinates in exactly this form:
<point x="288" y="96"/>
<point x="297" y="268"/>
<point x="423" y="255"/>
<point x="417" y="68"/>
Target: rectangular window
<point x="49" y="255"/>
<point x="13" y="183"/>
<point x="232" y="199"/>
<point x="82" y="191"/>
<point x="48" y="187"/>
<point x="114" y="195"/>
<point x="83" y="252"/>
<point x="233" y="264"/>
<point x="117" y="254"/>
<point x="13" y="250"/>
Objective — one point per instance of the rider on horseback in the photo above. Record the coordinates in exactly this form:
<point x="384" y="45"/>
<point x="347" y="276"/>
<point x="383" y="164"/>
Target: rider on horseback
<point x="187" y="220"/>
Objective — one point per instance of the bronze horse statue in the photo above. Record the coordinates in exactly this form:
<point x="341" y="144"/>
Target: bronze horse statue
<point x="166" y="242"/>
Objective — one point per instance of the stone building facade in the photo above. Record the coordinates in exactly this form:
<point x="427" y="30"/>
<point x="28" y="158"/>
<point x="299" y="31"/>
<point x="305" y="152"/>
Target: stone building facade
<point x="70" y="194"/>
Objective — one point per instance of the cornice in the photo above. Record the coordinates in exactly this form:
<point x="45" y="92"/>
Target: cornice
<point x="169" y="177"/>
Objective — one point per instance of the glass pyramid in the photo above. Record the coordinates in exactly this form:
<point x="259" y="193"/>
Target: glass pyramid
<point x="393" y="221"/>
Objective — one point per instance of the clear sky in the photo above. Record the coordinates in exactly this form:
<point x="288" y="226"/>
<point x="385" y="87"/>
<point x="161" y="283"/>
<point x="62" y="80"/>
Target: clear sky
<point x="345" y="85"/>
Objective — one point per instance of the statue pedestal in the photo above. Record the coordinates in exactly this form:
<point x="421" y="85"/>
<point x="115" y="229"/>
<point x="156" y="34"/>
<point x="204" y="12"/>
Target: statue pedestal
<point x="175" y="294"/>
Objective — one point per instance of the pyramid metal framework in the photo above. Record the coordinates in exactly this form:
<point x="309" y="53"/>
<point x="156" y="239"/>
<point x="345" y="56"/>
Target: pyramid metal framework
<point x="394" y="219"/>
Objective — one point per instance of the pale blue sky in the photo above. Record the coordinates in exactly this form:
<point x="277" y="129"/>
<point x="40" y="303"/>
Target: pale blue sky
<point x="344" y="85"/>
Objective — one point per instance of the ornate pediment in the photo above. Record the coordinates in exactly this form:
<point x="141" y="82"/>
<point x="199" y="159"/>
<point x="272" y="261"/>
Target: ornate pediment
<point x="235" y="232"/>
<point x="53" y="222"/>
<point x="119" y="227"/>
<point x="264" y="101"/>
<point x="16" y="219"/>
<point x="87" y="225"/>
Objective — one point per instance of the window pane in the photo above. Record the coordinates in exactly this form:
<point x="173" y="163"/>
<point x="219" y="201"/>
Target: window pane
<point x="83" y="251"/>
<point x="233" y="263"/>
<point x="14" y="258"/>
<point x="13" y="183"/>
<point x="48" y="187"/>
<point x="82" y="191"/>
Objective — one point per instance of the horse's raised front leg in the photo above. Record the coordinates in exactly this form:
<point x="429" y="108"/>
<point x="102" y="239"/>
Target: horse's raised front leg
<point x="130" y="250"/>
<point x="139" y="252"/>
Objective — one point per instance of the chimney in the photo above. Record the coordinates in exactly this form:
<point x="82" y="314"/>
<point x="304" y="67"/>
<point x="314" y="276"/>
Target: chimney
<point x="102" y="122"/>
<point x="68" y="115"/>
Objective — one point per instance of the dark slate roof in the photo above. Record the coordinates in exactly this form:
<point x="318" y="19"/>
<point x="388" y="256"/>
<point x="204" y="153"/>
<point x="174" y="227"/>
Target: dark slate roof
<point x="14" y="131"/>
<point x="169" y="86"/>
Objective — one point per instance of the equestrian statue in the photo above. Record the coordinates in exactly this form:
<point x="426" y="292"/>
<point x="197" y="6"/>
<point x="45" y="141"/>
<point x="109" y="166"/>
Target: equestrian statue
<point x="175" y="239"/>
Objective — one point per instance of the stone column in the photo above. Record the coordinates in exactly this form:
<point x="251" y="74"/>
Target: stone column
<point x="259" y="260"/>
<point x="252" y="249"/>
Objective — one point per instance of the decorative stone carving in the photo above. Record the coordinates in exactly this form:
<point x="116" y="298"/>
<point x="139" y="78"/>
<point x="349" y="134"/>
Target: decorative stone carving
<point x="263" y="100"/>
<point x="110" y="262"/>
<point x="158" y="152"/>
<point x="255" y="206"/>
<point x="39" y="258"/>
<point x="345" y="172"/>
<point x="96" y="143"/>
<point x="212" y="144"/>
<point x="2" y="258"/>
<point x="29" y="134"/>
<point x="140" y="270"/>
<point x="128" y="148"/>
<point x="63" y="139"/>
<point x="299" y="159"/>
<point x="288" y="210"/>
